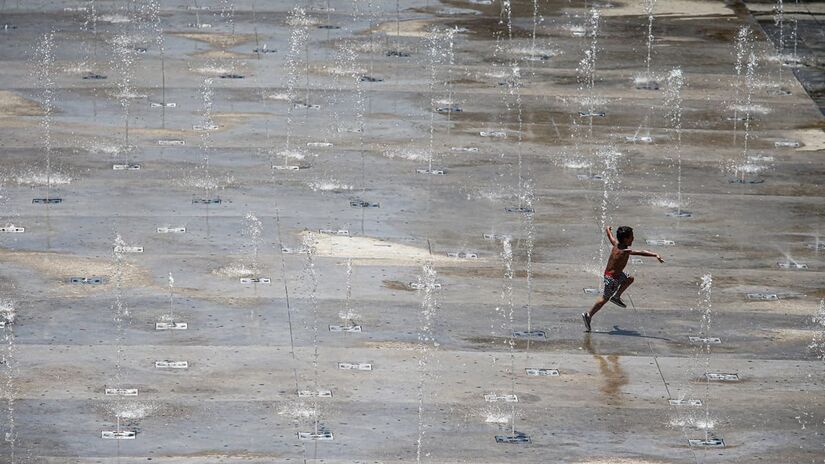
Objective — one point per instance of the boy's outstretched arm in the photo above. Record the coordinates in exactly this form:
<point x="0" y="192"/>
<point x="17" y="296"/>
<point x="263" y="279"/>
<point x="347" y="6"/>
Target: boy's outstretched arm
<point x="646" y="253"/>
<point x="609" y="231"/>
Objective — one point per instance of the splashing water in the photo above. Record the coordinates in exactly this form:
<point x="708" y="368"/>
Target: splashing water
<point x="10" y="369"/>
<point x="648" y="6"/>
<point x="818" y="343"/>
<point x="309" y="243"/>
<point x="348" y="314"/>
<point x="609" y="157"/>
<point x="253" y="228"/>
<point x="426" y="343"/>
<point x="299" y="21"/>
<point x="705" y="293"/>
<point x="743" y="47"/>
<point x="44" y="78"/>
<point x="673" y="103"/>
<point x="171" y="296"/>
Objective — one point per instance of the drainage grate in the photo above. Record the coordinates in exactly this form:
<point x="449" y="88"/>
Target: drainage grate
<point x="355" y="366"/>
<point x="448" y="109"/>
<point x="328" y="26"/>
<point x="306" y="106"/>
<point x="294" y="251"/>
<point x="721" y="377"/>
<point x="12" y="229"/>
<point x="747" y="181"/>
<point x="706" y="340"/>
<point x="172" y="364"/>
<point x="422" y="286"/>
<point x="465" y="149"/>
<point x="264" y="49"/>
<point x="359" y="203"/>
<point x="638" y="138"/>
<point x="314" y="394"/>
<point x="592" y="114"/>
<point x="685" y="402"/>
<point x="319" y="436"/>
<point x="493" y="398"/>
<point x="780" y="92"/>
<point x="519" y="209"/>
<point x="171" y="142"/>
<point x="708" y="443"/>
<point x="517" y="439"/>
<point x="256" y="280"/>
<point x="206" y="201"/>
<point x="497" y="237"/>
<point x="660" y="242"/>
<point x="763" y="296"/>
<point x="171" y="326"/>
<point x="94" y="77"/>
<point x="792" y="265"/>
<point x="589" y="177"/>
<point x="126" y="167"/>
<point x="286" y="167"/>
<point x="204" y="127"/>
<point x="339" y="232"/>
<point x="680" y="214"/>
<point x="647" y="85"/>
<point x="495" y="134"/>
<point x="118" y="435"/>
<point x="231" y="76"/>
<point x="171" y="230"/>
<point x="462" y="255"/>
<point x="786" y="144"/>
<point x="370" y="79"/>
<point x="47" y="201"/>
<point x="128" y="249"/>
<point x="121" y="392"/>
<point x="345" y="328"/>
<point x="435" y="172"/>
<point x="163" y="105"/>
<point x="532" y="334"/>
<point x="538" y="372"/>
<point x="86" y="280"/>
<point x="511" y="83"/>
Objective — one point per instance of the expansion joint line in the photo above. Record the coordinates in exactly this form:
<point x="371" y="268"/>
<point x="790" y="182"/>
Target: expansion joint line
<point x="289" y="317"/>
<point x="658" y="367"/>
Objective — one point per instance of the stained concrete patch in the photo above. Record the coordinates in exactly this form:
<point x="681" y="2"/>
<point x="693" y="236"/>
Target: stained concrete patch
<point x="12" y="104"/>
<point x="217" y="39"/>
<point x="60" y="266"/>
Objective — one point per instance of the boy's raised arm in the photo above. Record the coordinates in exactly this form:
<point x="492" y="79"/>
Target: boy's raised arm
<point x="609" y="231"/>
<point x="646" y="253"/>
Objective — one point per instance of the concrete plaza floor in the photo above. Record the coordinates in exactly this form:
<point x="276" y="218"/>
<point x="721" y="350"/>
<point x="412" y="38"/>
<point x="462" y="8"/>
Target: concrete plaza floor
<point x="309" y="125"/>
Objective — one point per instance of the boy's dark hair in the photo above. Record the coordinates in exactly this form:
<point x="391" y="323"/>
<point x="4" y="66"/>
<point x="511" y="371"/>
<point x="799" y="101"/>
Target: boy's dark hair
<point x="623" y="232"/>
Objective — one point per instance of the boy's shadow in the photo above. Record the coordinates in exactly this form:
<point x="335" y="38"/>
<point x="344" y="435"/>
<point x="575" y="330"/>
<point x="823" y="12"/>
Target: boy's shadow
<point x="627" y="333"/>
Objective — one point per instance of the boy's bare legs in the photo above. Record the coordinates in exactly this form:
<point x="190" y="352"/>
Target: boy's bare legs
<point x="589" y="315"/>
<point x="601" y="301"/>
<point x="623" y="287"/>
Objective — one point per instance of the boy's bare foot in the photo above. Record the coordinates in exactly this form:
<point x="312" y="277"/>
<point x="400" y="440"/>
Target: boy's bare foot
<point x="586" y="319"/>
<point x="618" y="302"/>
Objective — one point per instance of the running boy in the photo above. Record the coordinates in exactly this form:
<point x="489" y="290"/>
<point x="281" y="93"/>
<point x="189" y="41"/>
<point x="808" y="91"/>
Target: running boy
<point x="615" y="280"/>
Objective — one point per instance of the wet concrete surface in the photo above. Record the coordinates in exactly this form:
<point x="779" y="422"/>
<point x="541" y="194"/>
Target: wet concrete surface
<point x="434" y="355"/>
